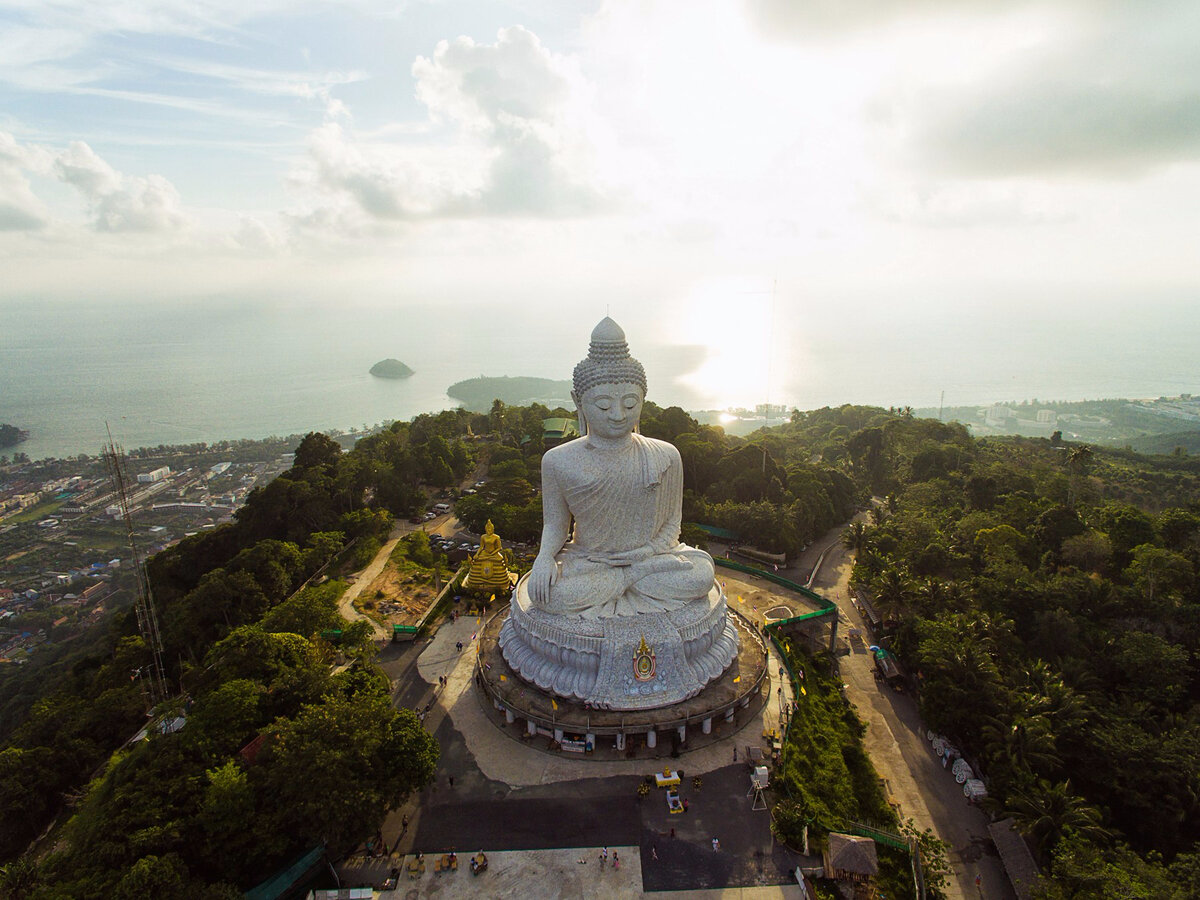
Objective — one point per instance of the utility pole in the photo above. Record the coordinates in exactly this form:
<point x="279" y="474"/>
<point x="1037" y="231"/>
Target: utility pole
<point x="144" y="604"/>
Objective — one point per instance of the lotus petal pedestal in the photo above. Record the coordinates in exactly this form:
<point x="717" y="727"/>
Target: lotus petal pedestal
<point x="641" y="661"/>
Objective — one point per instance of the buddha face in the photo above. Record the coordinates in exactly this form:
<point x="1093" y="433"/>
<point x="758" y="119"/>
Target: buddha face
<point x="611" y="410"/>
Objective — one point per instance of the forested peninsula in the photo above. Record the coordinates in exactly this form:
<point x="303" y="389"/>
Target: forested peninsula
<point x="1044" y="594"/>
<point x="477" y="394"/>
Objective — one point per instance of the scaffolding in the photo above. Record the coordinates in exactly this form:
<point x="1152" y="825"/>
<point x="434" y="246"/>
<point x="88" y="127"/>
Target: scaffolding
<point x="147" y="620"/>
<point x="759" y="782"/>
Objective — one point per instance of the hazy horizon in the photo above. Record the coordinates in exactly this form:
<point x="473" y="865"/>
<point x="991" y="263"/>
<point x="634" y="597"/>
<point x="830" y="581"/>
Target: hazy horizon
<point x="204" y="373"/>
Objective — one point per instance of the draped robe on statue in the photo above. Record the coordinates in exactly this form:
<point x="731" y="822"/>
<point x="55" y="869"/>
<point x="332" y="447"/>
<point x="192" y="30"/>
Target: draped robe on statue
<point x="624" y="557"/>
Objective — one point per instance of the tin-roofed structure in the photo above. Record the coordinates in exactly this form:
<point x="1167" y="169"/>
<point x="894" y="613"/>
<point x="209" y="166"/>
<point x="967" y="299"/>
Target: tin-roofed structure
<point x="1014" y="853"/>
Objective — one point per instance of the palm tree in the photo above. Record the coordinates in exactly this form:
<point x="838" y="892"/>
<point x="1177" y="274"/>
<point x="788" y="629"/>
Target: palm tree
<point x="1044" y="812"/>
<point x="854" y="538"/>
<point x="1026" y="743"/>
<point x="1051" y="698"/>
<point x="893" y="592"/>
<point x="932" y="593"/>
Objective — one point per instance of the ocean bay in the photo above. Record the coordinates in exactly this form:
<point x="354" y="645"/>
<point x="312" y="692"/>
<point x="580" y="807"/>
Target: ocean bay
<point x="191" y="372"/>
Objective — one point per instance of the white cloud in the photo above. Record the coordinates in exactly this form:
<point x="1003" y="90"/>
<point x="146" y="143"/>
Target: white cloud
<point x="20" y="210"/>
<point x="257" y="237"/>
<point x="120" y="202"/>
<point x="1099" y="90"/>
<point x="116" y="202"/>
<point x="386" y="181"/>
<point x="503" y="139"/>
<point x="957" y="204"/>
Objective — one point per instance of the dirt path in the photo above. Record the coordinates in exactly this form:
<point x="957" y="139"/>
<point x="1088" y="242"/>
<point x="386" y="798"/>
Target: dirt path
<point x="444" y="524"/>
<point x="366" y="576"/>
<point x="895" y="740"/>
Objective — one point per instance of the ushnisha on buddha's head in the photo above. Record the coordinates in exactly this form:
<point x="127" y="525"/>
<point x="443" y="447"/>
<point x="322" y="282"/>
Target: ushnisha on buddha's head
<point x="609" y="385"/>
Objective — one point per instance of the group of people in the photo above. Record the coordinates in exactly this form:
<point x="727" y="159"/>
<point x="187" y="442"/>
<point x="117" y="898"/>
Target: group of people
<point x="616" y="860"/>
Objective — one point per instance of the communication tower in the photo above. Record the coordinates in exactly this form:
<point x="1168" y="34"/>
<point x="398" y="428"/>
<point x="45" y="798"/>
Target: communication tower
<point x="114" y="456"/>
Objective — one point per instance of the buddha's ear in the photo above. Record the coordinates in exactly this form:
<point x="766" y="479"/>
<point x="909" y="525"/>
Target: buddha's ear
<point x="580" y="419"/>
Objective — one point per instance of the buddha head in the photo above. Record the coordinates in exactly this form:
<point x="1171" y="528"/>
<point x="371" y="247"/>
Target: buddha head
<point x="609" y="385"/>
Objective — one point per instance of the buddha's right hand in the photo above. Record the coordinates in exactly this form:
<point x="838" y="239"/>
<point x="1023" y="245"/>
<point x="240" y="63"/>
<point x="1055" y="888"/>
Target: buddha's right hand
<point x="543" y="574"/>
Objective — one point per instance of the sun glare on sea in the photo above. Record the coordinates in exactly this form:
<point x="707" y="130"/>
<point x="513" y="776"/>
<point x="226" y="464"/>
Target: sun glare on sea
<point x="733" y="320"/>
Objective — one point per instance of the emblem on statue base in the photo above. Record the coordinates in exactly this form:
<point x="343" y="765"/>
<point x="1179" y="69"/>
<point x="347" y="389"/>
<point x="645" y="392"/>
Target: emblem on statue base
<point x="643" y="661"/>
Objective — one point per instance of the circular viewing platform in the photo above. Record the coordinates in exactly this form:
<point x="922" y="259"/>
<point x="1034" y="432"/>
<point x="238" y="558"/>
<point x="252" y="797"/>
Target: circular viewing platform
<point x="732" y="698"/>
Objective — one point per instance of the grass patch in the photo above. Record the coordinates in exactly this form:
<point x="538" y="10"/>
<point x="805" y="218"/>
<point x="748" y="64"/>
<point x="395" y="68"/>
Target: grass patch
<point x="825" y="776"/>
<point x="35" y="512"/>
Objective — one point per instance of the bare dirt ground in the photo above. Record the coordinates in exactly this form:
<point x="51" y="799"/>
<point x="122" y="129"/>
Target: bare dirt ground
<point x="396" y="596"/>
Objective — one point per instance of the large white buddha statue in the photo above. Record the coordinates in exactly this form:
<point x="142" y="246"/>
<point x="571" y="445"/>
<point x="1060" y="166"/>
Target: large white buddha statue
<point x="616" y="610"/>
<point x="625" y="495"/>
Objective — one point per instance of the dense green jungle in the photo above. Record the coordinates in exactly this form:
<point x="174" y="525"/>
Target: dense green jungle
<point x="1044" y="594"/>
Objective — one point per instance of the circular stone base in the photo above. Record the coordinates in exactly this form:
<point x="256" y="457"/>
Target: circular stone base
<point x="736" y="692"/>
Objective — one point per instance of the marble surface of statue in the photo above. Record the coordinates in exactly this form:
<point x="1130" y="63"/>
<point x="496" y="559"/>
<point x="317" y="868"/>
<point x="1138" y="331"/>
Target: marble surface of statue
<point x="624" y="493"/>
<point x="616" y="610"/>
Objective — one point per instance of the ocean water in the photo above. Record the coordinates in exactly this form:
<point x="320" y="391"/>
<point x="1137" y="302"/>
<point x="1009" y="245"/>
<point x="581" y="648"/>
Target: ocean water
<point x="192" y="372"/>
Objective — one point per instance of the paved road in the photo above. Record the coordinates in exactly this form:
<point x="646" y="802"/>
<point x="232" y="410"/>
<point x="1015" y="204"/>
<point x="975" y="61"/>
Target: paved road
<point x="896" y="742"/>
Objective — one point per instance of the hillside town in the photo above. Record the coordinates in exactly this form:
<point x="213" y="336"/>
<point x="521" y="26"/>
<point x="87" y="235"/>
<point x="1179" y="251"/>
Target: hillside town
<point x="64" y="546"/>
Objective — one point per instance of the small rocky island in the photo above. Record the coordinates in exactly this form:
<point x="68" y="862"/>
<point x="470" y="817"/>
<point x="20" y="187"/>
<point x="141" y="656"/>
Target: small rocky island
<point x="390" y="368"/>
<point x="11" y="435"/>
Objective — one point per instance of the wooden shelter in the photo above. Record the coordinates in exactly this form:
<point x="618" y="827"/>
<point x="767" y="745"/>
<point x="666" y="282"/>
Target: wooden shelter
<point x="850" y="858"/>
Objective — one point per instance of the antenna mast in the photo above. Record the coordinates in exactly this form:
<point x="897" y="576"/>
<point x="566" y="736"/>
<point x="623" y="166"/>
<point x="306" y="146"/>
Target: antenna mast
<point x="114" y="456"/>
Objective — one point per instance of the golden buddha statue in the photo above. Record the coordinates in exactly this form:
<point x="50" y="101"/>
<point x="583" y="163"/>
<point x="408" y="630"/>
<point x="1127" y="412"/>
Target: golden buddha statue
<point x="488" y="570"/>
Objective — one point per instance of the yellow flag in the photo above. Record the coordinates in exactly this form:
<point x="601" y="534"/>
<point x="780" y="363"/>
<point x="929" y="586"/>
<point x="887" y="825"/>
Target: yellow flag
<point x="504" y="678"/>
<point x="477" y="621"/>
<point x="493" y="600"/>
<point x="802" y="690"/>
<point x="736" y="680"/>
<point x="554" y="703"/>
<point x="741" y="599"/>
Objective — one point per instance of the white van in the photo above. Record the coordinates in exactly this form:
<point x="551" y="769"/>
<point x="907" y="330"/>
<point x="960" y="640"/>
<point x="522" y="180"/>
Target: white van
<point x="441" y="508"/>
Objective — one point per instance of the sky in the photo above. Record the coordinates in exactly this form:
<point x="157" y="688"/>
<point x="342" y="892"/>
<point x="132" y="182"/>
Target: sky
<point x="706" y="167"/>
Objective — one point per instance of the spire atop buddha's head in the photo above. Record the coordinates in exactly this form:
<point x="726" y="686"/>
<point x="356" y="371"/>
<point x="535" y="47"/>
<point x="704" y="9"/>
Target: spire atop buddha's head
<point x="608" y="361"/>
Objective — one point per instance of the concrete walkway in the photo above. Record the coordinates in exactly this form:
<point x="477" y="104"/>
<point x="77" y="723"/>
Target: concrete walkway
<point x="552" y="874"/>
<point x="517" y="764"/>
<point x="522" y="791"/>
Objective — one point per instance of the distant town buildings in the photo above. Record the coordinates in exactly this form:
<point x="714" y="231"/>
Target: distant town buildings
<point x="1183" y="407"/>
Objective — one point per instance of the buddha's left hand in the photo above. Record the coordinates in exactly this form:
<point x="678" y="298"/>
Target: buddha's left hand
<point x="624" y="557"/>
